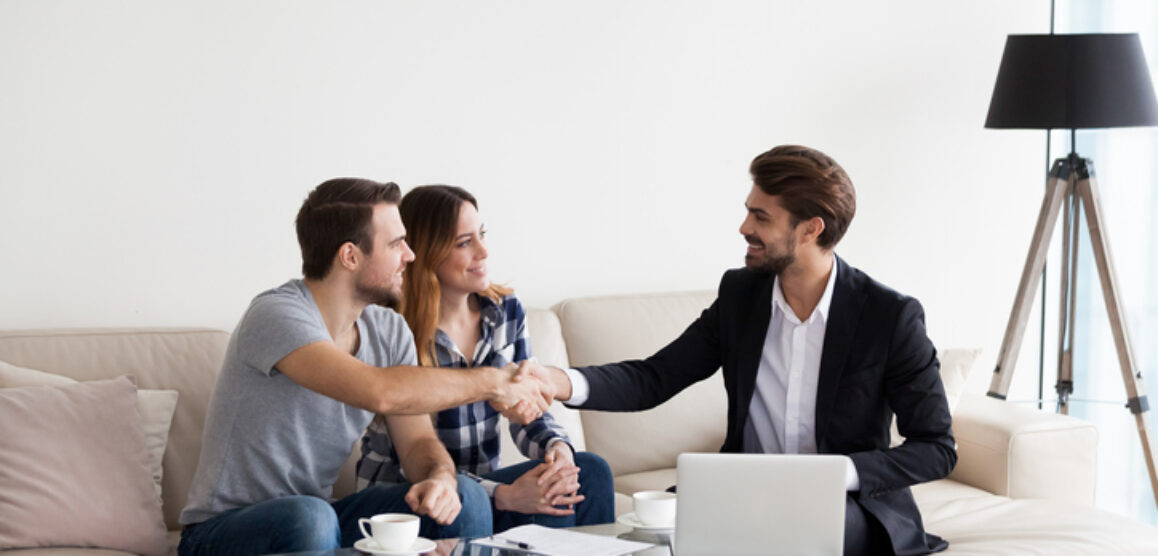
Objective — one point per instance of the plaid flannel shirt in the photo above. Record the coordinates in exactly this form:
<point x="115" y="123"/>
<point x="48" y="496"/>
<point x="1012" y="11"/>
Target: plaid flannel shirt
<point x="470" y="432"/>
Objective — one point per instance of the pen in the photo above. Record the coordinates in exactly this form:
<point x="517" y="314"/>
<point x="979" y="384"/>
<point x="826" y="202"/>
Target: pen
<point x="519" y="544"/>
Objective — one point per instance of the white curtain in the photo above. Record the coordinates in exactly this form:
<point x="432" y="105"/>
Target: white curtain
<point x="1126" y="165"/>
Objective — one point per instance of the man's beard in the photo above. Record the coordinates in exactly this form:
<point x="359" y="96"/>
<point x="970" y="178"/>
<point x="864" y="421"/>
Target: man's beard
<point x="377" y="294"/>
<point x="776" y="262"/>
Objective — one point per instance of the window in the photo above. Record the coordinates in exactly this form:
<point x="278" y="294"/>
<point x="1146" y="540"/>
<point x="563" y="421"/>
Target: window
<point x="1126" y="165"/>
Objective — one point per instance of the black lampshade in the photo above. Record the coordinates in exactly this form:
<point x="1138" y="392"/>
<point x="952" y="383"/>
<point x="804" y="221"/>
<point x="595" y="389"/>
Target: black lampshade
<point x="1073" y="82"/>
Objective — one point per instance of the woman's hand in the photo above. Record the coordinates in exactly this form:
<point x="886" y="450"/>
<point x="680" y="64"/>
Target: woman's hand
<point x="561" y="479"/>
<point x="545" y="487"/>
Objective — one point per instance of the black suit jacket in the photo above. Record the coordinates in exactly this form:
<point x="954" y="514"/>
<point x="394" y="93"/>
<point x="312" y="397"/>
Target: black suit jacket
<point x="876" y="361"/>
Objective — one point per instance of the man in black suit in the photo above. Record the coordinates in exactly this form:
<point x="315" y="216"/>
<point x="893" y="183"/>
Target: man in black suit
<point x="817" y="356"/>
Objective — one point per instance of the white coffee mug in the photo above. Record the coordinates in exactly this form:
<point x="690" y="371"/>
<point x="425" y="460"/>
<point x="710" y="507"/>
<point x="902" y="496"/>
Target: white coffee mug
<point x="391" y="531"/>
<point x="655" y="507"/>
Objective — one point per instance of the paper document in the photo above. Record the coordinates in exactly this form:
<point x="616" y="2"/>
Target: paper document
<point x="559" y="542"/>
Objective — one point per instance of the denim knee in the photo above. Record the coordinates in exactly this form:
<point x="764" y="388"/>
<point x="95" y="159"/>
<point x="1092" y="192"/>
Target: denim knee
<point x="288" y="524"/>
<point x="474" y="520"/>
<point x="593" y="469"/>
<point x="305" y="523"/>
<point x="598" y="486"/>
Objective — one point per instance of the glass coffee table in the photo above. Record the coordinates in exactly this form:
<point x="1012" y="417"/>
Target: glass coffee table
<point x="464" y="547"/>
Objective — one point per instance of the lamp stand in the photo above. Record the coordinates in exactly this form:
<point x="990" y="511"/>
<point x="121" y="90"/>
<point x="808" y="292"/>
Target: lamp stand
<point x="1072" y="185"/>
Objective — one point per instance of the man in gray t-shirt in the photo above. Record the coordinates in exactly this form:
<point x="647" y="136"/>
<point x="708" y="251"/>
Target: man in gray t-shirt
<point x="307" y="367"/>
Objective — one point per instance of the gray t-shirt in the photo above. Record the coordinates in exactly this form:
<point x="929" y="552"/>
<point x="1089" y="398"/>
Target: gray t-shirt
<point x="266" y="436"/>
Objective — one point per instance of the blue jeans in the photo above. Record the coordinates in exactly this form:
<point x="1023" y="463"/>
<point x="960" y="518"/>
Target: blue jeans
<point x="305" y="523"/>
<point x="594" y="482"/>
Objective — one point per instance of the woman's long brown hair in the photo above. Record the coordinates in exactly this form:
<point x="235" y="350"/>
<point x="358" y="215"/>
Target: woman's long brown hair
<point x="430" y="214"/>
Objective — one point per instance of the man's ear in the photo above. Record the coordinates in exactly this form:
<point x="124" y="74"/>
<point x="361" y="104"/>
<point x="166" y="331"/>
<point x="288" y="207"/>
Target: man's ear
<point x="349" y="256"/>
<point x="812" y="228"/>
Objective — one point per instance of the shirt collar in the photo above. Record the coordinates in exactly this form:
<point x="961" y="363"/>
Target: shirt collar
<point x="779" y="304"/>
<point x="490" y="309"/>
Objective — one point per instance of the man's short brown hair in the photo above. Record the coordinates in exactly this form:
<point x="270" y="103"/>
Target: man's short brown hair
<point x="336" y="212"/>
<point x="809" y="183"/>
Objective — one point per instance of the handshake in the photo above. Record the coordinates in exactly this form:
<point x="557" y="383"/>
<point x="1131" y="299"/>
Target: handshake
<point x="525" y="390"/>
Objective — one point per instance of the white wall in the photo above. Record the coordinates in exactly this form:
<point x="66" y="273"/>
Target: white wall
<point x="153" y="154"/>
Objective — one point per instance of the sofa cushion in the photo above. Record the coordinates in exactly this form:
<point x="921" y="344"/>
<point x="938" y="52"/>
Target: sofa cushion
<point x="956" y="365"/>
<point x="155" y="406"/>
<point x="73" y="469"/>
<point x="546" y="337"/>
<point x="183" y="359"/>
<point x="977" y="522"/>
<point x="1022" y="452"/>
<point x="612" y="328"/>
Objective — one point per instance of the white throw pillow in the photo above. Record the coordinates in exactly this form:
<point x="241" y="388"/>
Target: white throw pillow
<point x="955" y="367"/>
<point x="156" y="408"/>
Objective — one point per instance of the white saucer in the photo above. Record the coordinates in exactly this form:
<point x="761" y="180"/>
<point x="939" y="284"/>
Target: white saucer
<point x="629" y="520"/>
<point x="421" y="545"/>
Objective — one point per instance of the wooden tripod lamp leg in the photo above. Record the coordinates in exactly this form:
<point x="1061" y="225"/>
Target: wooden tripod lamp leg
<point x="1057" y="188"/>
<point x="1087" y="189"/>
<point x="1068" y="310"/>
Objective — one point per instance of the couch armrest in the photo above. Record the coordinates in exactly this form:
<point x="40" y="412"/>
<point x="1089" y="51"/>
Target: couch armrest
<point x="1021" y="452"/>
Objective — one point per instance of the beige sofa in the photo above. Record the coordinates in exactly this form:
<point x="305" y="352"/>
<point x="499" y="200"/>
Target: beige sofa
<point x="1024" y="482"/>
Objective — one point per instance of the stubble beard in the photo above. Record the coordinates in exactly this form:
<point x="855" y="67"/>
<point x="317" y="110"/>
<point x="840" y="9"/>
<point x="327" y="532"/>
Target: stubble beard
<point x="378" y="294"/>
<point x="774" y="263"/>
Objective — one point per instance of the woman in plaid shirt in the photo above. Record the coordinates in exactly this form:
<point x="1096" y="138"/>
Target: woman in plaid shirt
<point x="450" y="304"/>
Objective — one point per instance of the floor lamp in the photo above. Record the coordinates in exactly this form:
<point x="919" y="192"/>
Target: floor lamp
<point x="1073" y="82"/>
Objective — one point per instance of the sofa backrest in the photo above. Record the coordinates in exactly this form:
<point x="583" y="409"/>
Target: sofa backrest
<point x="614" y="328"/>
<point x="183" y="359"/>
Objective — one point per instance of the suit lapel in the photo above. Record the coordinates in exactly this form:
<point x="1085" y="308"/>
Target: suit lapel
<point x="848" y="299"/>
<point x="751" y="346"/>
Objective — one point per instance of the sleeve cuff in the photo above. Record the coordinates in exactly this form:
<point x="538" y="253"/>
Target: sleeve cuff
<point x="579" y="388"/>
<point x="487" y="484"/>
<point x="558" y="439"/>
<point x="851" y="477"/>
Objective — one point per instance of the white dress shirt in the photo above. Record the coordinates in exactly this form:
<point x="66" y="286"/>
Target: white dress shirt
<point x="782" y="414"/>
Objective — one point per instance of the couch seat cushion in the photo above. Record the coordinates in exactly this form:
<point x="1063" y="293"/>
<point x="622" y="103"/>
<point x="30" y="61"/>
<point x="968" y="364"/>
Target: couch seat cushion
<point x="977" y="522"/>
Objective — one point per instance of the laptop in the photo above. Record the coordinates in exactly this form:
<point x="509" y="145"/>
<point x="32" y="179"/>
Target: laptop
<point x="739" y="504"/>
